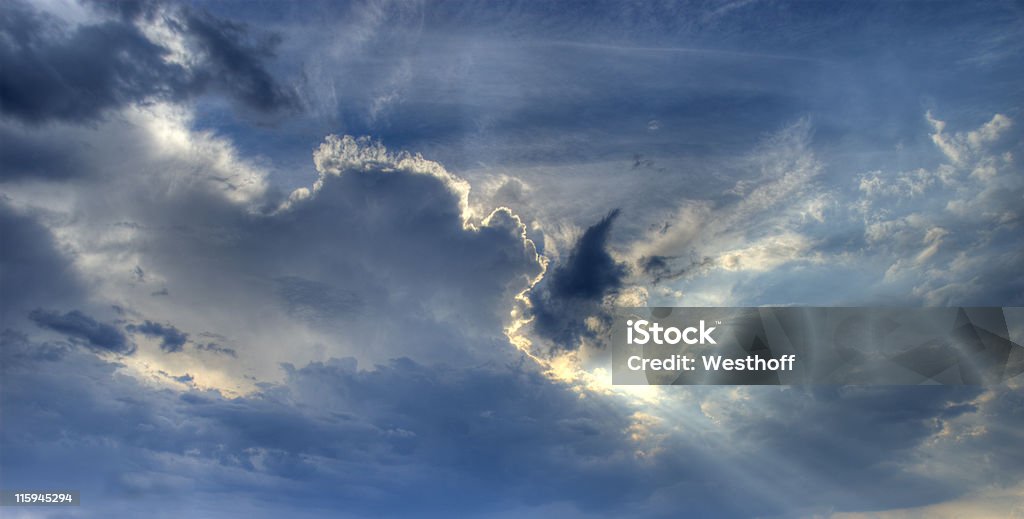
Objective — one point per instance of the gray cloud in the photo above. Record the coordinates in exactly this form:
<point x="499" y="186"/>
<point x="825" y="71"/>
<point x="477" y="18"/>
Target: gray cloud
<point x="171" y="339"/>
<point x="216" y="348"/>
<point x="574" y="289"/>
<point x="381" y="258"/>
<point x="76" y="325"/>
<point x="341" y="436"/>
<point x="53" y="72"/>
<point x="589" y="272"/>
<point x="33" y="271"/>
<point x="666" y="268"/>
<point x="403" y="437"/>
<point x="26" y="155"/>
<point x="315" y="302"/>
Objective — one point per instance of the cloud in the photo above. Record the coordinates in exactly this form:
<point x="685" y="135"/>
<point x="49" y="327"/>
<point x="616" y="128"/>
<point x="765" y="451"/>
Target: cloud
<point x="172" y="340"/>
<point x="997" y="503"/>
<point x="216" y="348"/>
<point x="76" y="325"/>
<point x="27" y="156"/>
<point x="590" y="271"/>
<point x="876" y="439"/>
<point x="163" y="52"/>
<point x="348" y="320"/>
<point x="960" y="146"/>
<point x="946" y="229"/>
<point x="385" y="297"/>
<point x="403" y="437"/>
<point x="921" y="234"/>
<point x="987" y="431"/>
<point x="315" y="302"/>
<point x="771" y="217"/>
<point x="340" y="154"/>
<point x="381" y="256"/>
<point x="230" y="53"/>
<point x="33" y="270"/>
<point x="766" y="254"/>
<point x="392" y="439"/>
<point x="573" y="290"/>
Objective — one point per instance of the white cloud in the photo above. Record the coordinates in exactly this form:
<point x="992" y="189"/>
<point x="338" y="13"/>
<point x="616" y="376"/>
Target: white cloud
<point x="766" y="254"/>
<point x="929" y="221"/>
<point x="960" y="147"/>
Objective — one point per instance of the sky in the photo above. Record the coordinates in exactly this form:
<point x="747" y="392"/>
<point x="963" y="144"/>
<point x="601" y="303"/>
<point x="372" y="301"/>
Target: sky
<point x="358" y="259"/>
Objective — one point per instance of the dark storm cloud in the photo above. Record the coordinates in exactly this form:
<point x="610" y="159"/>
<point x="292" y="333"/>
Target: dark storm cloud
<point x="76" y="325"/>
<point x="33" y="272"/>
<point x="236" y="65"/>
<point x="171" y="339"/>
<point x="573" y="290"/>
<point x="23" y="156"/>
<point x="590" y="272"/>
<point x="55" y="73"/>
<point x="76" y="76"/>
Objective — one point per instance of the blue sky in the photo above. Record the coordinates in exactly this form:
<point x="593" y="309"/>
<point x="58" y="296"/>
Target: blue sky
<point x="329" y="259"/>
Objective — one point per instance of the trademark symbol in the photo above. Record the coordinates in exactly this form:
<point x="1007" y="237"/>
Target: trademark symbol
<point x="718" y="322"/>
